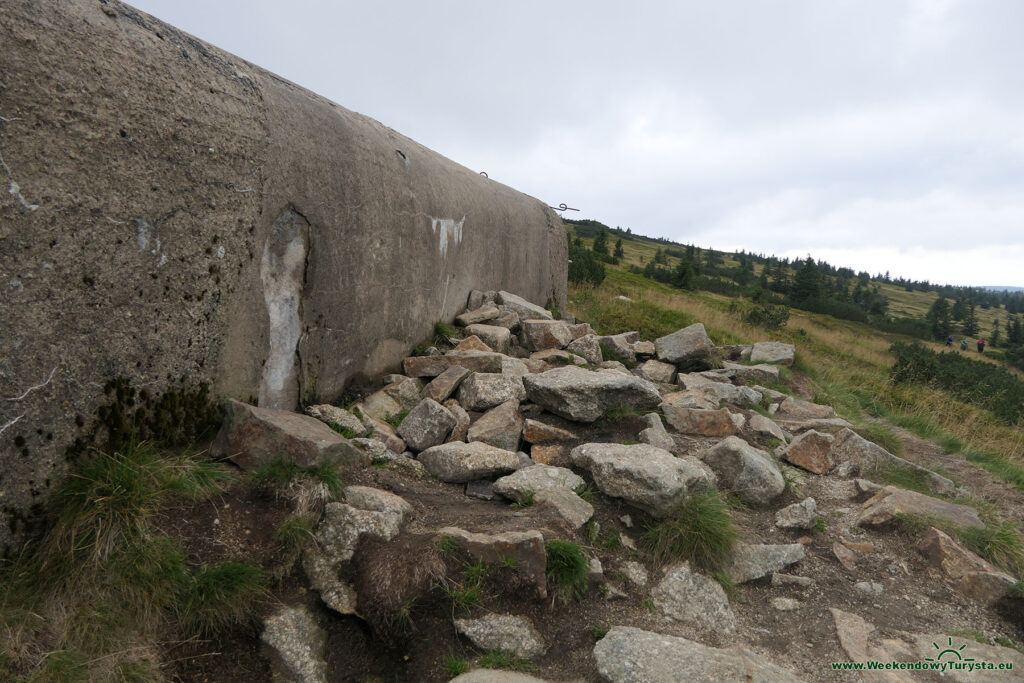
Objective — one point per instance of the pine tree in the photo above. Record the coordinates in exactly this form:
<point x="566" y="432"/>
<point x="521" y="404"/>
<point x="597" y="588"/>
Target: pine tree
<point x="970" y="325"/>
<point x="939" y="318"/>
<point x="619" y="253"/>
<point x="994" y="339"/>
<point x="808" y="283"/>
<point x="683" y="275"/>
<point x="601" y="242"/>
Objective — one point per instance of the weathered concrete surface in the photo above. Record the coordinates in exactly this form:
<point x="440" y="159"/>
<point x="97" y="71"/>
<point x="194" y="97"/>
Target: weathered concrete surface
<point x="169" y="210"/>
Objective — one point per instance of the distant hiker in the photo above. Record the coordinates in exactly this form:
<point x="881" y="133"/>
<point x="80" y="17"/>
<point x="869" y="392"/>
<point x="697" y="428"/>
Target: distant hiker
<point x="981" y="346"/>
<point x="963" y="344"/>
<point x="949" y="341"/>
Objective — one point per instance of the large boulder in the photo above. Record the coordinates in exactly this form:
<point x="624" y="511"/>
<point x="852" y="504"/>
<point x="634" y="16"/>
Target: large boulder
<point x="477" y="361"/>
<point x="424" y="366"/>
<point x="536" y="478"/>
<point x="753" y="373"/>
<point x="775" y="353"/>
<point x="650" y="478"/>
<point x="584" y="396"/>
<point x="428" y="424"/>
<point x="695" y="599"/>
<point x="539" y="335"/>
<point x="500" y="426"/>
<point x="746" y="471"/>
<point x="684" y="347"/>
<point x="459" y="463"/>
<point x="483" y="391"/>
<point x="891" y="503"/>
<point x="252" y="437"/>
<point x="802" y="515"/>
<point x="405" y="391"/>
<point x="630" y="655"/>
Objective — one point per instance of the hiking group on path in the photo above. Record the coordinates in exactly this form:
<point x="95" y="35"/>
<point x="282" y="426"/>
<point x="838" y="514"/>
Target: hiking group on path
<point x="963" y="344"/>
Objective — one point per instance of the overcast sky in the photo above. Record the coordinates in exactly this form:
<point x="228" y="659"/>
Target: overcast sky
<point x="876" y="134"/>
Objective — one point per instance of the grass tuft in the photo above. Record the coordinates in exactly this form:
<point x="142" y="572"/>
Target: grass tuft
<point x="222" y="596"/>
<point x="503" y="660"/>
<point x="701" y="531"/>
<point x="455" y="665"/>
<point x="567" y="568"/>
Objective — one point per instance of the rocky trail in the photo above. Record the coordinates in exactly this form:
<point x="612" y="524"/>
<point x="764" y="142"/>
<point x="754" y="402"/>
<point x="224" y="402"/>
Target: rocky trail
<point x="464" y="473"/>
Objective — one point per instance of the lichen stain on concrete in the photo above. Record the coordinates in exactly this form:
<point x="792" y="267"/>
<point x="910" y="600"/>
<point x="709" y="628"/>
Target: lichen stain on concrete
<point x="450" y="231"/>
<point x="283" y="271"/>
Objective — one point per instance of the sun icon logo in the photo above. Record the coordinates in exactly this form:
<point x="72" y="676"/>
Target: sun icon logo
<point x="950" y="651"/>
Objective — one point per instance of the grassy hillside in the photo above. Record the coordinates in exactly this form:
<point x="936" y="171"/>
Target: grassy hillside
<point x="847" y="363"/>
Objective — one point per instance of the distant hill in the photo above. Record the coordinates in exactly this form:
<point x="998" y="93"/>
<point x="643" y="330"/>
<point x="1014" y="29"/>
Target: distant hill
<point x="995" y="288"/>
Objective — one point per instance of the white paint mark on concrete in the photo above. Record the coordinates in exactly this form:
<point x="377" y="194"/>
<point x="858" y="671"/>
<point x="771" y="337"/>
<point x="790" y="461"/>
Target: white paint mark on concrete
<point x="450" y="232"/>
<point x="282" y="271"/>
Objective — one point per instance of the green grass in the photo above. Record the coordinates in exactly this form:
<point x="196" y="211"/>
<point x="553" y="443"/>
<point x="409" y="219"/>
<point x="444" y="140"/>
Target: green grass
<point x="905" y="477"/>
<point x="294" y="532"/>
<point x="503" y="660"/>
<point x="449" y="546"/>
<point x="586" y="492"/>
<point x="344" y="431"/>
<point x="970" y="634"/>
<point x="455" y="665"/>
<point x="883" y="436"/>
<point x="727" y="584"/>
<point x="102" y="585"/>
<point x="524" y="500"/>
<point x="647" y="604"/>
<point x="566" y="568"/>
<point x="819" y="525"/>
<point x="396" y="419"/>
<point x="222" y="596"/>
<point x="701" y="531"/>
<point x="599" y="631"/>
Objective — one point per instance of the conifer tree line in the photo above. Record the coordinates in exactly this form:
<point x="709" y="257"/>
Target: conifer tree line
<point x="806" y="284"/>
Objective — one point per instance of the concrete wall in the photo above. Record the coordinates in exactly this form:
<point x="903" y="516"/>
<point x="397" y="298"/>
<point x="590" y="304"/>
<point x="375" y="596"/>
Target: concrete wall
<point x="176" y="213"/>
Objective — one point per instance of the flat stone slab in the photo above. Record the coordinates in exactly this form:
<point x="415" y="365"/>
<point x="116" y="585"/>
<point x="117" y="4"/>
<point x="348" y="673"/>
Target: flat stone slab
<point x="523" y="308"/>
<point x="501" y="427"/>
<point x="460" y="463"/>
<point x="444" y="385"/>
<point x="699" y="422"/>
<point x="775" y="353"/>
<point x="752" y="561"/>
<point x="252" y="437"/>
<point x="891" y="502"/>
<point x="477" y="315"/>
<point x="534" y="479"/>
<point x="539" y="335"/>
<point x="972" y="576"/>
<point x="570" y="508"/>
<point x="584" y="396"/>
<point x="650" y="478"/>
<point x="631" y="655"/>
<point x="485" y="390"/>
<point x="428" y="424"/>
<point x="798" y="409"/>
<point x="506" y="633"/>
